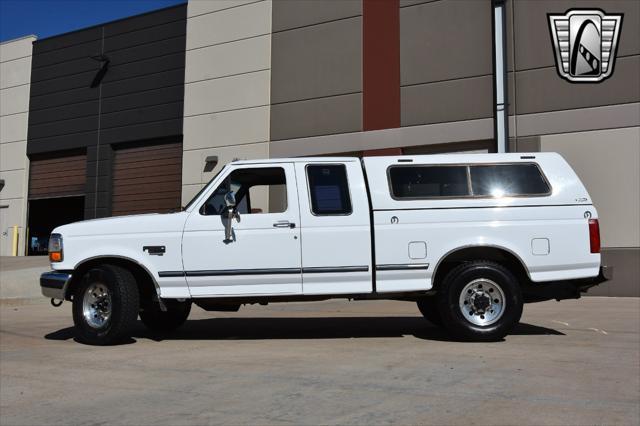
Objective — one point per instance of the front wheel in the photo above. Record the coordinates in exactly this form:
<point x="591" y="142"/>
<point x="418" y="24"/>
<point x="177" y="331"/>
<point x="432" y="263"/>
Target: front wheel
<point x="480" y="301"/>
<point x="105" y="305"/>
<point x="158" y="320"/>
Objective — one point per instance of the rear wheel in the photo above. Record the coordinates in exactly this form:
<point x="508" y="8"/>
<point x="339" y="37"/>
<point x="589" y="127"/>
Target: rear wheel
<point x="480" y="301"/>
<point x="428" y="307"/>
<point x="105" y="305"/>
<point x="157" y="319"/>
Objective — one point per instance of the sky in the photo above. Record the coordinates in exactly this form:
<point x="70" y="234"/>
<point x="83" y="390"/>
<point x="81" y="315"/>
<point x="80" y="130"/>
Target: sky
<point x="45" y="18"/>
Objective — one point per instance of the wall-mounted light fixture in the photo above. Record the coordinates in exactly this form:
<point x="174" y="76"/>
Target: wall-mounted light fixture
<point x="3" y="206"/>
<point x="104" y="61"/>
<point x="210" y="163"/>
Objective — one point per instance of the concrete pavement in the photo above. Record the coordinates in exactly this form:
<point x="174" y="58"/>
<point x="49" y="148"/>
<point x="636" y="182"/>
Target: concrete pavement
<point x="574" y="362"/>
<point x="20" y="276"/>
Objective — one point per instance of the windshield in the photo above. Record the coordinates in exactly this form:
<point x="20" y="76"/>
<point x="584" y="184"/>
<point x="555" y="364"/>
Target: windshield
<point x="193" y="200"/>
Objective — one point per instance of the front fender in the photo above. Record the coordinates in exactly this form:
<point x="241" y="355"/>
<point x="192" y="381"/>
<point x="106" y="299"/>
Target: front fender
<point x="79" y="250"/>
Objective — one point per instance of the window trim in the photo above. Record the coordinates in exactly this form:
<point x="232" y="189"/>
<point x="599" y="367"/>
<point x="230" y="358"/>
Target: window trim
<point x="196" y="198"/>
<point x="471" y="195"/>
<point x="233" y="169"/>
<point x="346" y="174"/>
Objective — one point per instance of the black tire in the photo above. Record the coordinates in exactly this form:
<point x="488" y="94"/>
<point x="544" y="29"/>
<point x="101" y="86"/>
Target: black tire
<point x="176" y="314"/>
<point x="451" y="307"/>
<point x="428" y="307"/>
<point x="123" y="303"/>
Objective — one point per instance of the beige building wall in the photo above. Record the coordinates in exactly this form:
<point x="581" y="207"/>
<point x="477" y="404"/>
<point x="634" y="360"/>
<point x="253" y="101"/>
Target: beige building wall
<point x="15" y="82"/>
<point x="608" y="163"/>
<point x="227" y="86"/>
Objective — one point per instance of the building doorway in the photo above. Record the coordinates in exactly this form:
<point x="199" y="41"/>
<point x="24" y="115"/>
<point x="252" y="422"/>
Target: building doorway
<point x="47" y="214"/>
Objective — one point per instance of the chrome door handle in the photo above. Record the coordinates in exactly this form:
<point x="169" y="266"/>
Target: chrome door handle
<point x="284" y="224"/>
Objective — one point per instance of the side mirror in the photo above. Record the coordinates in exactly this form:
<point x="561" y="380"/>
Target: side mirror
<point x="230" y="199"/>
<point x="228" y="215"/>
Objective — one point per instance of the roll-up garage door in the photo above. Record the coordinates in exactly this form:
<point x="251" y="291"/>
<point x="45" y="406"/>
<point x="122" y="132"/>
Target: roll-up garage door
<point x="57" y="176"/>
<point x="147" y="179"/>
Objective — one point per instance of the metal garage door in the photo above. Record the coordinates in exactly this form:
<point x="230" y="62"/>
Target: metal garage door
<point x="57" y="176"/>
<point x="147" y="179"/>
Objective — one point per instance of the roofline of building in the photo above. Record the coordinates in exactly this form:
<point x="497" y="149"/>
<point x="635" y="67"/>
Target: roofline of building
<point x="13" y="40"/>
<point x="111" y="22"/>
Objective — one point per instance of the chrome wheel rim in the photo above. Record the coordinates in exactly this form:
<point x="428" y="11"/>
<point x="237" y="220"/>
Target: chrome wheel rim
<point x="96" y="305"/>
<point x="482" y="302"/>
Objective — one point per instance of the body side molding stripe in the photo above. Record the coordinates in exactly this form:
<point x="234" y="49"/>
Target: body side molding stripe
<point x="167" y="274"/>
<point x="225" y="272"/>
<point x="402" y="267"/>
<point x="323" y="269"/>
<point x="265" y="271"/>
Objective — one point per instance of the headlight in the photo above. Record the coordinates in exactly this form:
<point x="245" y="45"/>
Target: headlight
<point x="55" y="248"/>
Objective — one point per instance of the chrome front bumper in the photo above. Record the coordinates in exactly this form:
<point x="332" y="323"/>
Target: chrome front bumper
<point x="54" y="284"/>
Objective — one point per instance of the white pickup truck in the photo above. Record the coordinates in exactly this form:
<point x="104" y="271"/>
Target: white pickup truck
<point x="469" y="237"/>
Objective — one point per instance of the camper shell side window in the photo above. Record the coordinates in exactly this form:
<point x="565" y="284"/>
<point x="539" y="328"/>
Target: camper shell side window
<point x="492" y="180"/>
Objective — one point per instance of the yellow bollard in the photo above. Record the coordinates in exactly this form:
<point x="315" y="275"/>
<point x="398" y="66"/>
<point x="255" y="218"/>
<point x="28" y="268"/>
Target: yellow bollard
<point x="14" y="250"/>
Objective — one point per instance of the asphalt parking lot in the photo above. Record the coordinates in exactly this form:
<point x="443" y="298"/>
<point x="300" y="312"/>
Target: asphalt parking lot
<point x="575" y="362"/>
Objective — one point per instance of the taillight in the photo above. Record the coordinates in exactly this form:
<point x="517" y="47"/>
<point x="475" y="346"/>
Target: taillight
<point x="594" y="235"/>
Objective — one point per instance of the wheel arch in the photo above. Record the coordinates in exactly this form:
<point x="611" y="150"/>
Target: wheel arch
<point x="496" y="253"/>
<point x="147" y="285"/>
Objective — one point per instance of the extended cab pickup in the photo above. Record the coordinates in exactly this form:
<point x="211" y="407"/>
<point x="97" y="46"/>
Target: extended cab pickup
<point x="469" y="237"/>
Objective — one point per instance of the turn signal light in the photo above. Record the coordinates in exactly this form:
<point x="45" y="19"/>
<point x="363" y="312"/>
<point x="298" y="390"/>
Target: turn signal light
<point x="594" y="235"/>
<point x="55" y="248"/>
<point x="55" y="256"/>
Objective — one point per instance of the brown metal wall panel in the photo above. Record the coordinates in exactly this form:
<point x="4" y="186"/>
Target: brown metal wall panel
<point x="147" y="179"/>
<point x="57" y="176"/>
<point x="381" y="65"/>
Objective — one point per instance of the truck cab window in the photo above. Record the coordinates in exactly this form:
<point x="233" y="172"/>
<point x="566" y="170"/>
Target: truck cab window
<point x="329" y="190"/>
<point x="257" y="190"/>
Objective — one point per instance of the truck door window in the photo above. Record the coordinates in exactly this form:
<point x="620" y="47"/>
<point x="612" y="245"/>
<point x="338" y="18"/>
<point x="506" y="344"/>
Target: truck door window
<point x="416" y="182"/>
<point x="329" y="190"/>
<point x="257" y="190"/>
